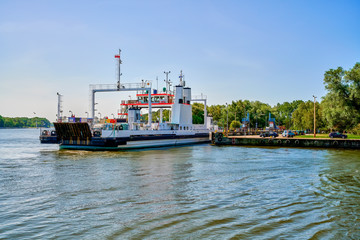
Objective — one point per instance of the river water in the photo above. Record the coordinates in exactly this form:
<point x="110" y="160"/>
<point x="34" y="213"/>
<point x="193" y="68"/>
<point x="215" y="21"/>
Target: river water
<point x="194" y="192"/>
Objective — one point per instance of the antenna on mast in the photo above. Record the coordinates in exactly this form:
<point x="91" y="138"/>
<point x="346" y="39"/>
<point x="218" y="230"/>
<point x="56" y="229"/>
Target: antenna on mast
<point x="167" y="80"/>
<point x="119" y="62"/>
<point x="182" y="81"/>
<point x="157" y="84"/>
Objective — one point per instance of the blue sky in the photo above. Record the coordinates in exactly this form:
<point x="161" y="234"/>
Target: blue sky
<point x="272" y="51"/>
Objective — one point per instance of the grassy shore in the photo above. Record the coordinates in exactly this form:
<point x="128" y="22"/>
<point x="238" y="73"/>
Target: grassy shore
<point x="350" y="136"/>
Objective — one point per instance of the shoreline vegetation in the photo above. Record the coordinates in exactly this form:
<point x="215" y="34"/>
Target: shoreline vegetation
<point x="23" y="122"/>
<point x="338" y="110"/>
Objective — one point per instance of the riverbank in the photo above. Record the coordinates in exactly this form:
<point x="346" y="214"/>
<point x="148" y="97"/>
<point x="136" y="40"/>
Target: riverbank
<point x="326" y="136"/>
<point x="23" y="122"/>
<point x="220" y="139"/>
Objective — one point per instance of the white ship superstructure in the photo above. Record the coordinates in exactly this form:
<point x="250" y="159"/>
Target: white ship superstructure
<point x="179" y="130"/>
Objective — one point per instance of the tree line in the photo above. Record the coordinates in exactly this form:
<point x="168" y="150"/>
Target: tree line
<point x="338" y="110"/>
<point x="23" y="122"/>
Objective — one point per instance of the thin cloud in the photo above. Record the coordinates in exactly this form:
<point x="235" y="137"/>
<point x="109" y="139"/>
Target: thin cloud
<point x="41" y="27"/>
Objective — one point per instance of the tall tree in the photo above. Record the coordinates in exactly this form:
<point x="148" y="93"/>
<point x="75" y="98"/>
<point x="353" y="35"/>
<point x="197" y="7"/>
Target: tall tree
<point x="284" y="113"/>
<point x="215" y="112"/>
<point x="342" y="103"/>
<point x="198" y="113"/>
<point x="303" y="116"/>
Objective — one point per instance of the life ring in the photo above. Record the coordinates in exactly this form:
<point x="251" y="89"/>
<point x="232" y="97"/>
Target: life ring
<point x="297" y="142"/>
<point x="219" y="138"/>
<point x="287" y="141"/>
<point x="278" y="142"/>
<point x="335" y="143"/>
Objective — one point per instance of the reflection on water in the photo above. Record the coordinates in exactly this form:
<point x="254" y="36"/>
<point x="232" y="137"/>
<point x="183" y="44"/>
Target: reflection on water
<point x="176" y="193"/>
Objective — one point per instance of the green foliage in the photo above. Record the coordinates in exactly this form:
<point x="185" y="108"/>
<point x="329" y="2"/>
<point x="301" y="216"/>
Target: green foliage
<point x="284" y="113"/>
<point x="23" y="122"/>
<point x="337" y="114"/>
<point x="338" y="110"/>
<point x="1" y="121"/>
<point x="341" y="105"/>
<point x="198" y="113"/>
<point x="234" y="124"/>
<point x="216" y="112"/>
<point x="259" y="113"/>
<point x="238" y="110"/>
<point x="156" y="116"/>
<point x="303" y="116"/>
<point x="355" y="130"/>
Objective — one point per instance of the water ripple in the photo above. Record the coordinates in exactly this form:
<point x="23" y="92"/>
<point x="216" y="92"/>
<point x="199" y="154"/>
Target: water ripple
<point x="196" y="192"/>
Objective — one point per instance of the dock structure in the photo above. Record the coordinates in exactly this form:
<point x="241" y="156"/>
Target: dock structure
<point x="219" y="138"/>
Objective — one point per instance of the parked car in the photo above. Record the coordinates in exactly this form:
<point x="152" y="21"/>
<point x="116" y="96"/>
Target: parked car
<point x="299" y="132"/>
<point x="269" y="134"/>
<point x="288" y="133"/>
<point x="337" y="135"/>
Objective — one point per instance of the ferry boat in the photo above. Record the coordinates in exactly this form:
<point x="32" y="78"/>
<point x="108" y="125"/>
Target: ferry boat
<point x="129" y="131"/>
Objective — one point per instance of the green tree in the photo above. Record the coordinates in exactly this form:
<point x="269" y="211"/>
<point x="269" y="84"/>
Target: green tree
<point x="155" y="115"/>
<point x="283" y="113"/>
<point x="338" y="115"/>
<point x="1" y="121"/>
<point x="215" y="112"/>
<point x="198" y="113"/>
<point x="234" y="124"/>
<point x="341" y="107"/>
<point x="259" y="113"/>
<point x="303" y="116"/>
<point x="218" y="112"/>
<point x="8" y="123"/>
<point x="23" y="122"/>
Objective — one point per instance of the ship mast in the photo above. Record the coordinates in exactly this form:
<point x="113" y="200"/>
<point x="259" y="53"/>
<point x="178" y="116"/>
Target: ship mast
<point x="112" y="87"/>
<point x="59" y="112"/>
<point x="119" y="73"/>
<point x="167" y="81"/>
<point x="181" y="79"/>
